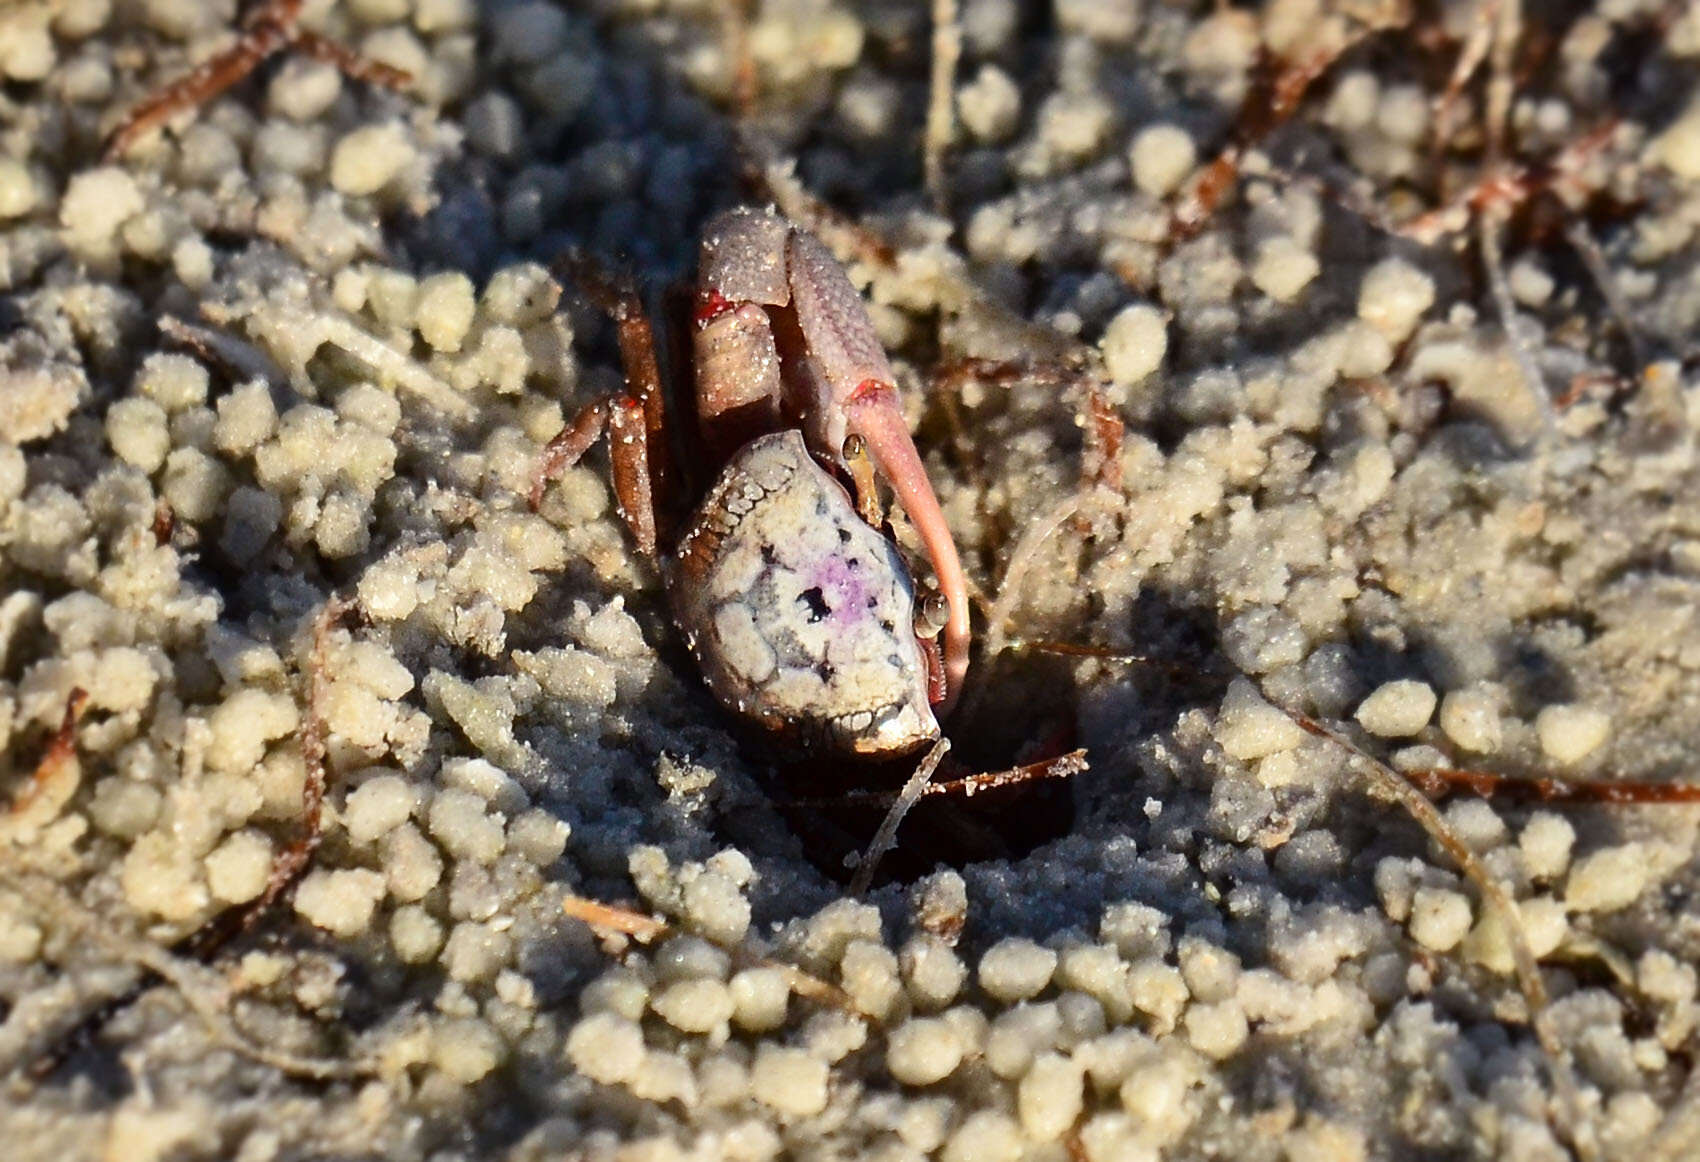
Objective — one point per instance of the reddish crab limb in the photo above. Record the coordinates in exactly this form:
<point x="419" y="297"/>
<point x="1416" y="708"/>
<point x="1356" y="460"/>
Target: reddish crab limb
<point x="628" y="451"/>
<point x="636" y="337"/>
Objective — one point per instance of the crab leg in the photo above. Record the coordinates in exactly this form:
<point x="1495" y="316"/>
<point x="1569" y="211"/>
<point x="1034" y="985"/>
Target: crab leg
<point x="636" y="337"/>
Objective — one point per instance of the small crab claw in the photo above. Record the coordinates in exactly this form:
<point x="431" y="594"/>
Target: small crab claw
<point x="854" y="392"/>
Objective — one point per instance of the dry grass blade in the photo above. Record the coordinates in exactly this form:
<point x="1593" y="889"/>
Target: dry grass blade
<point x="608" y="917"/>
<point x="886" y="837"/>
<point x="941" y="101"/>
<point x="1021" y="561"/>
<point x="648" y="929"/>
<point x="1409" y="796"/>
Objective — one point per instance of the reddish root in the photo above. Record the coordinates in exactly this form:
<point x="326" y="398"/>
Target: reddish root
<point x="292" y="861"/>
<point x="57" y="763"/>
<point x="1270" y="104"/>
<point x="268" y="30"/>
<point x="1272" y="100"/>
<point x="1437" y="782"/>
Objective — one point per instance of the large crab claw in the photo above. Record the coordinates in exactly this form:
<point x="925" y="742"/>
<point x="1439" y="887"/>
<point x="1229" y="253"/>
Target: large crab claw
<point x="782" y="333"/>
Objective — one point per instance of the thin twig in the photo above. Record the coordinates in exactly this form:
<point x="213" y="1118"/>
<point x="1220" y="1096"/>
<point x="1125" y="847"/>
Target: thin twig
<point x="292" y="861"/>
<point x="648" y="929"/>
<point x="1435" y="782"/>
<point x="1522" y="354"/>
<point x="270" y="28"/>
<point x="1502" y="78"/>
<point x="941" y="102"/>
<point x="1063" y="766"/>
<point x="1582" y="240"/>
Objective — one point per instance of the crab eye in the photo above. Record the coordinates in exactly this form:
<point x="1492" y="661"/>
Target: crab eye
<point x="931" y="613"/>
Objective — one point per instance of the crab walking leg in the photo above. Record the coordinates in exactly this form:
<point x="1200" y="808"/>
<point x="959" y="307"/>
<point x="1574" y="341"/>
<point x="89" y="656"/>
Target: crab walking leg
<point x="628" y="452"/>
<point x="873" y="413"/>
<point x="620" y="302"/>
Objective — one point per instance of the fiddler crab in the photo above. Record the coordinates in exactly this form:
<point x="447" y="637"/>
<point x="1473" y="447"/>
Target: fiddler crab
<point x="789" y="590"/>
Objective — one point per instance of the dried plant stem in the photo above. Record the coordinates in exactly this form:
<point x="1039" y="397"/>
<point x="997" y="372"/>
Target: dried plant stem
<point x="1470" y="58"/>
<point x="1063" y="766"/>
<point x="1437" y="781"/>
<point x="1522" y="353"/>
<point x="1409" y="796"/>
<point x="1021" y="561"/>
<point x="269" y="29"/>
<point x="646" y="929"/>
<point x="188" y="978"/>
<point x="290" y="863"/>
<point x="50" y="786"/>
<point x="207" y="941"/>
<point x="941" y="102"/>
